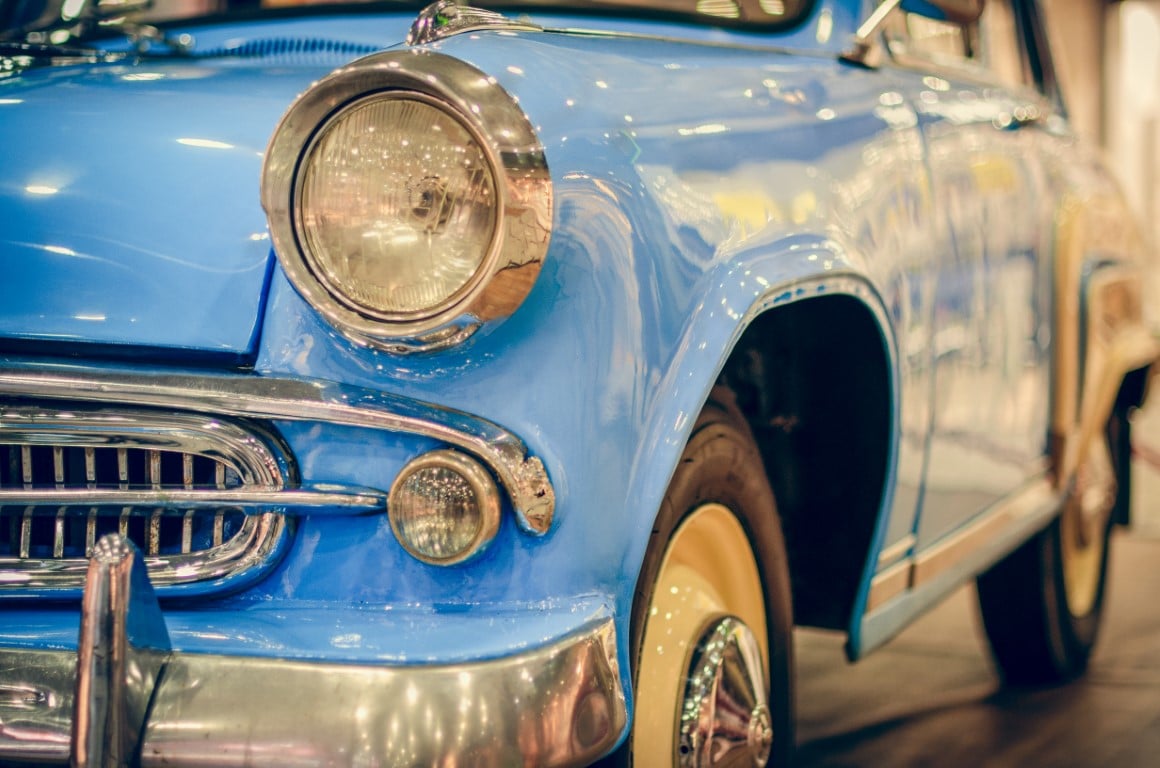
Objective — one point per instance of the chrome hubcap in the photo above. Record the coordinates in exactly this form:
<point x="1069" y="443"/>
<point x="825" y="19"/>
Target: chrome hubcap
<point x="725" y="713"/>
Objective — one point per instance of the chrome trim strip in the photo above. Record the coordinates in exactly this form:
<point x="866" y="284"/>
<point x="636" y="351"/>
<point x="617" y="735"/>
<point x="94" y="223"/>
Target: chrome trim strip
<point x="523" y="476"/>
<point x="523" y="191"/>
<point x="249" y="500"/>
<point x="949" y="552"/>
<point x="890" y="583"/>
<point x="558" y="705"/>
<point x="923" y="568"/>
<point x="122" y="649"/>
<point x="445" y="18"/>
<point x="897" y="550"/>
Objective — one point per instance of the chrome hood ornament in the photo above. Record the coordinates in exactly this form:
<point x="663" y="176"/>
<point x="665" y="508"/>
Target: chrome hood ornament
<point x="446" y="18"/>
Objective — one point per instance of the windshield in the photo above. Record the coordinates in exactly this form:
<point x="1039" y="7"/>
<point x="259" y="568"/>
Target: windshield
<point x="61" y="22"/>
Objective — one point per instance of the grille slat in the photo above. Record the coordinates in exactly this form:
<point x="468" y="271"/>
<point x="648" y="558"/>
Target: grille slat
<point x="91" y="467"/>
<point x="123" y="467"/>
<point x="219" y="520"/>
<point x="90" y="531"/>
<point x="26" y="533"/>
<point x="153" y="539"/>
<point x="153" y="457"/>
<point x="58" y="533"/>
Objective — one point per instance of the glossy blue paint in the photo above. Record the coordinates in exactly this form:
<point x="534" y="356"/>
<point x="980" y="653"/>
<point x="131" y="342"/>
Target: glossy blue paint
<point x="399" y="634"/>
<point x="628" y="334"/>
<point x="775" y="177"/>
<point x="127" y="213"/>
<point x="670" y="234"/>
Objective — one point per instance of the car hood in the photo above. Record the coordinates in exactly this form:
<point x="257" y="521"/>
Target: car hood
<point x="129" y="190"/>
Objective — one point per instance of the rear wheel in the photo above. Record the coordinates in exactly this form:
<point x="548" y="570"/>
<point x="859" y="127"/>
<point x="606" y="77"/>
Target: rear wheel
<point x="712" y="621"/>
<point x="1042" y="606"/>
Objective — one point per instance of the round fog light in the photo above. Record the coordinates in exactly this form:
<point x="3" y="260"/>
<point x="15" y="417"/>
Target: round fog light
<point x="444" y="507"/>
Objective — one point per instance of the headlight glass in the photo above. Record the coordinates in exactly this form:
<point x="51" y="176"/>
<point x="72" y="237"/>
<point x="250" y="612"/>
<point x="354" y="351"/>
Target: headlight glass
<point x="397" y="206"/>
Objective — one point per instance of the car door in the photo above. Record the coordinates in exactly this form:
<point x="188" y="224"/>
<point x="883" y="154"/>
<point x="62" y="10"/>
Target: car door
<point x="990" y="331"/>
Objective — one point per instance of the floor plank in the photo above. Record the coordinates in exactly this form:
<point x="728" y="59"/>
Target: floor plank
<point x="931" y="698"/>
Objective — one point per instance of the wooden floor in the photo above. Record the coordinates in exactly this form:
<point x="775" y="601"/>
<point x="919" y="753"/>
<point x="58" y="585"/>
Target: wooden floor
<point x="931" y="698"/>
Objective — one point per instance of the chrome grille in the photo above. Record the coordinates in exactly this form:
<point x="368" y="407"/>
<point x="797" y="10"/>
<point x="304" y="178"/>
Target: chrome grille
<point x="70" y="532"/>
<point x="69" y="476"/>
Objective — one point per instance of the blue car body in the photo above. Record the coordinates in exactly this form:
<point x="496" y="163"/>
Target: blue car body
<point x="704" y="181"/>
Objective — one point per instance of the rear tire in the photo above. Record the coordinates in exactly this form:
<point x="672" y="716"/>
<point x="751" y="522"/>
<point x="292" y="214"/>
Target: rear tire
<point x="1042" y="606"/>
<point x="716" y="551"/>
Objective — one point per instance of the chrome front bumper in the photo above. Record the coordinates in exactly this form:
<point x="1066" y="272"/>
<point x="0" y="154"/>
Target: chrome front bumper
<point x="124" y="698"/>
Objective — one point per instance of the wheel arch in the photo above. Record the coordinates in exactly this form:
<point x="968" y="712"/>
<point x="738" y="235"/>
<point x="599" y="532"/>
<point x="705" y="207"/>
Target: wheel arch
<point x="814" y="379"/>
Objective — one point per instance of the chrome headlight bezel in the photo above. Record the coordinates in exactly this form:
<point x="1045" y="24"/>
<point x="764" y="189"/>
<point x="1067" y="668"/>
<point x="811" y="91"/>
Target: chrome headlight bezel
<point x="523" y="214"/>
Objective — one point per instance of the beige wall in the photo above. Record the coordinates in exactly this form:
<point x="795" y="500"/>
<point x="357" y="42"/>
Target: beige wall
<point x="1133" y="115"/>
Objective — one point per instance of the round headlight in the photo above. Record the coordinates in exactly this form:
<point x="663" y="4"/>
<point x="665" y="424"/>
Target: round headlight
<point x="409" y="200"/>
<point x="444" y="507"/>
<point x="397" y="206"/>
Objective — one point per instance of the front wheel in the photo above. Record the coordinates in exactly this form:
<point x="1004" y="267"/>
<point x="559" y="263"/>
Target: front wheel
<point x="712" y="619"/>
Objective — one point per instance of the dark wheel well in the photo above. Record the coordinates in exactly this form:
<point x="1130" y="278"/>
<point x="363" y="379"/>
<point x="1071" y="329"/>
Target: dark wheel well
<point x="813" y="380"/>
<point x="1131" y="397"/>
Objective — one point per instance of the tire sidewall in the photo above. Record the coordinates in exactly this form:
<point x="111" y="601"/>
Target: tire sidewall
<point x="721" y="464"/>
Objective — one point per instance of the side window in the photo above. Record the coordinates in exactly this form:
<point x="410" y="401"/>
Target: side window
<point x="992" y="48"/>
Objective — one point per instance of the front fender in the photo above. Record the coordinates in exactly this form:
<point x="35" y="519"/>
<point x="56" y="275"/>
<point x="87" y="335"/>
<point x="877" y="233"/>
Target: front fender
<point x="670" y="236"/>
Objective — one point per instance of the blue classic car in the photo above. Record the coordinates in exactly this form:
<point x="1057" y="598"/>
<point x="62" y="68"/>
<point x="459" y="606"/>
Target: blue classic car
<point x="385" y="386"/>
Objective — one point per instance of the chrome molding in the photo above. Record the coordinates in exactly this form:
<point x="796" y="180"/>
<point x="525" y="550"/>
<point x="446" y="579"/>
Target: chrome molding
<point x="252" y="500"/>
<point x="122" y="649"/>
<point x="557" y="705"/>
<point x="896" y="551"/>
<point x="523" y="186"/>
<point x="447" y="17"/>
<point x="1035" y="501"/>
<point x="523" y="476"/>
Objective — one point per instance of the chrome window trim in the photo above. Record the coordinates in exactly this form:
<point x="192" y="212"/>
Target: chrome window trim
<point x="267" y="397"/>
<point x="523" y="184"/>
